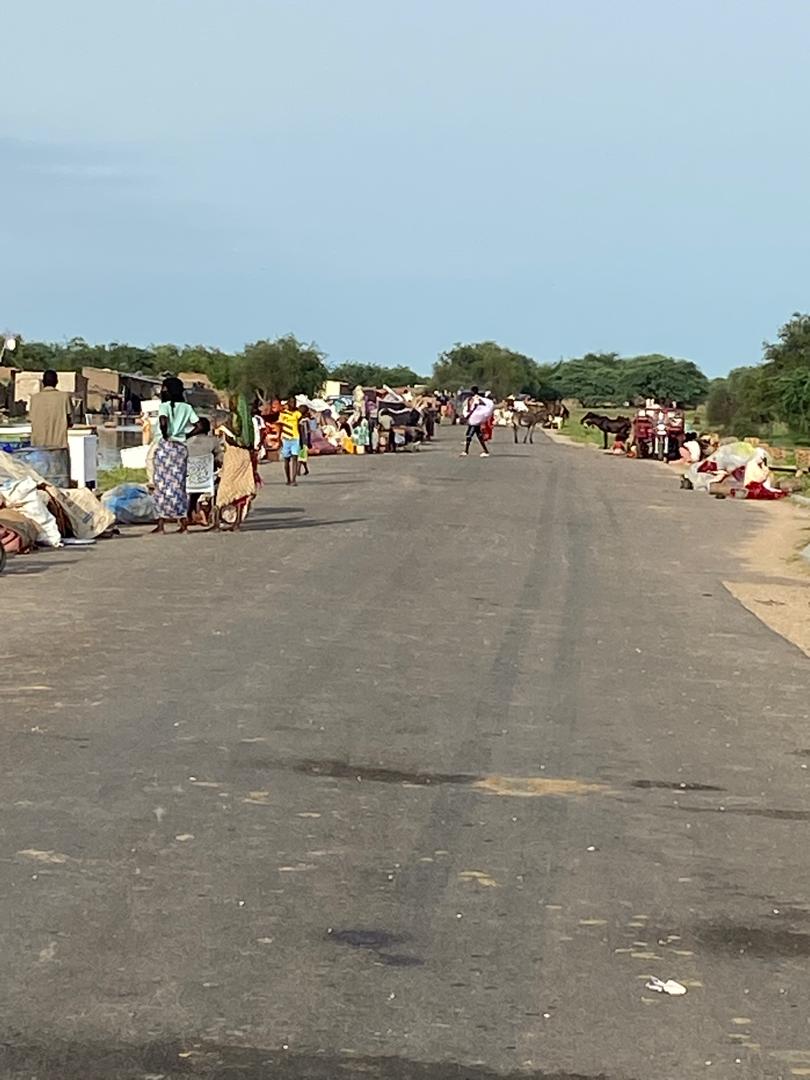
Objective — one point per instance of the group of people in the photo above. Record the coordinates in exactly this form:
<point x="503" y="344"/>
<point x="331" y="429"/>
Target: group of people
<point x="364" y="426"/>
<point x="181" y="434"/>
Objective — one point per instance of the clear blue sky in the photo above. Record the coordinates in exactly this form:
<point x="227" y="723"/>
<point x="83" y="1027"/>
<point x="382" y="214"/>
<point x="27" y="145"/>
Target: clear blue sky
<point x="388" y="177"/>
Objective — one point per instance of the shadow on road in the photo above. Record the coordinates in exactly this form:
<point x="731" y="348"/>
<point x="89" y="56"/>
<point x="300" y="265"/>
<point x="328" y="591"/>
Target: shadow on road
<point x="254" y="525"/>
<point x="174" y="1060"/>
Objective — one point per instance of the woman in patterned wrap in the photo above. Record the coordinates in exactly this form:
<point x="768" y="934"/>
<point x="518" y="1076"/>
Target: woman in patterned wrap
<point x="175" y="417"/>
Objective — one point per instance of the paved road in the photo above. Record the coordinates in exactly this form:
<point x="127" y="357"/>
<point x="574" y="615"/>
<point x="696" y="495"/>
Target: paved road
<point x="419" y="778"/>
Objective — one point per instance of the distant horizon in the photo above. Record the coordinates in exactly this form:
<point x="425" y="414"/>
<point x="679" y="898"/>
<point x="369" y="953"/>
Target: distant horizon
<point x="401" y="177"/>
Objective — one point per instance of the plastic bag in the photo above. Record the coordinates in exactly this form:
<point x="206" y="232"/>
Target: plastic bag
<point x="726" y="459"/>
<point x="88" y="518"/>
<point x="25" y="496"/>
<point x="131" y="504"/>
<point x="481" y="412"/>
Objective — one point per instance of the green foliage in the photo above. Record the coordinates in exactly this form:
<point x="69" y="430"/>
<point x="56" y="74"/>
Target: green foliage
<point x="110" y="478"/>
<point x="663" y="378"/>
<point x="786" y="374"/>
<point x="357" y="374"/>
<point x="720" y="404"/>
<point x="493" y="367"/>
<point x="77" y="353"/>
<point x="591" y="379"/>
<point x="607" y="379"/>
<point x="751" y="400"/>
<point x="278" y="368"/>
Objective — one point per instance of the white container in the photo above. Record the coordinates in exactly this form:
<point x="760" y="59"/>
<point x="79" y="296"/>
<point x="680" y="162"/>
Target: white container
<point x="134" y="457"/>
<point x="83" y="447"/>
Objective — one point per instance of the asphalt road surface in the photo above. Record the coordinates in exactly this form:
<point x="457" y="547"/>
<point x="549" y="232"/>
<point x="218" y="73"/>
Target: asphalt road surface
<point x="422" y="777"/>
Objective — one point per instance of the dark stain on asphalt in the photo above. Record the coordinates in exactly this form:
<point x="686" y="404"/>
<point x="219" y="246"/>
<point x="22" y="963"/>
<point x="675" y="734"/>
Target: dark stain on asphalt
<point x="175" y="1060"/>
<point x="757" y="941"/>
<point x="342" y="770"/>
<point x="381" y="774"/>
<point x="674" y="785"/>
<point x="377" y="942"/>
<point x="365" y="939"/>
<point x="748" y="811"/>
<point x="399" y="960"/>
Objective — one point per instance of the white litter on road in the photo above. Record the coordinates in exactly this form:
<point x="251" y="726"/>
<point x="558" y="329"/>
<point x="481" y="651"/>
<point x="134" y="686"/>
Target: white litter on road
<point x="674" y="989"/>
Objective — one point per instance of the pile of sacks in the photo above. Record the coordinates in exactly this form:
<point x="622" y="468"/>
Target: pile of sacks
<point x="33" y="512"/>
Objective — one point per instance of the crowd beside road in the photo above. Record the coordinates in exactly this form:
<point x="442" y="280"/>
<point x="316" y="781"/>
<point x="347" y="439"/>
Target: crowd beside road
<point x="201" y="471"/>
<point x="205" y="472"/>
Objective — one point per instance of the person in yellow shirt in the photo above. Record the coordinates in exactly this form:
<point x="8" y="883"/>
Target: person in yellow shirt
<point x="290" y="423"/>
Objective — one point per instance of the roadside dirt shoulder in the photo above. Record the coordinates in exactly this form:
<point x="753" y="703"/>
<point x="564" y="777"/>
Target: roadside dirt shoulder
<point x="780" y="595"/>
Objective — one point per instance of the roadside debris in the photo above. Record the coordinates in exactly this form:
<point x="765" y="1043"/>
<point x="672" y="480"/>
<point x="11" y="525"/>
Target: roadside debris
<point x="674" y="989"/>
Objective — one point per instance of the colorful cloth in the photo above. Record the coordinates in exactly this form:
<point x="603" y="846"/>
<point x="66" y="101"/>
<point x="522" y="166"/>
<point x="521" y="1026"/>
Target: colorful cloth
<point x="171" y="467"/>
<point x="179" y="416"/>
<point x="237" y="483"/>
<point x="289" y="421"/>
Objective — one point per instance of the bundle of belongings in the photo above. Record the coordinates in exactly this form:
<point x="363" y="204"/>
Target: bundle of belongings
<point x="33" y="512"/>
<point x="736" y="468"/>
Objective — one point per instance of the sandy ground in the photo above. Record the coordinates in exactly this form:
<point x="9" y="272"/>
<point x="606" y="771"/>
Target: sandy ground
<point x="781" y="596"/>
<point x="778" y="588"/>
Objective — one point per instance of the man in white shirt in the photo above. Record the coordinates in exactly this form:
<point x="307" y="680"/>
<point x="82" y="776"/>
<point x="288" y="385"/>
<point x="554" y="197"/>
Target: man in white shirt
<point x="477" y="410"/>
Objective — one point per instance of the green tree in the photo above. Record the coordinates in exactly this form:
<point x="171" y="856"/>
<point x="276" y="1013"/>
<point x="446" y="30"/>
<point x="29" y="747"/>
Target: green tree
<point x="356" y="374"/>
<point x="279" y="368"/>
<point x="359" y="374"/>
<point x="400" y="376"/>
<point x="216" y="364"/>
<point x="738" y="403"/>
<point x="792" y="391"/>
<point x="663" y="378"/>
<point x="720" y="404"/>
<point x="35" y="356"/>
<point x="592" y="379"/>
<point x="785" y="388"/>
<point x="492" y="367"/>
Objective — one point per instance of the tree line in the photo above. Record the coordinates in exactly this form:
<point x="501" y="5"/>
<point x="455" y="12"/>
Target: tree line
<point x="270" y="368"/>
<point x="751" y="400"/>
<point x="595" y="379"/>
<point x="748" y="400"/>
<point x="286" y="365"/>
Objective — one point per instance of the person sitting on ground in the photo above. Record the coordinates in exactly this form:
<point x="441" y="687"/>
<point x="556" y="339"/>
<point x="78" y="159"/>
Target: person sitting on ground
<point x="690" y="452"/>
<point x="757" y="478"/>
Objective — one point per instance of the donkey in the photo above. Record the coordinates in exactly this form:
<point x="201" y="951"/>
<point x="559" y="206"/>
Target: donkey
<point x="529" y="420"/>
<point x="619" y="425"/>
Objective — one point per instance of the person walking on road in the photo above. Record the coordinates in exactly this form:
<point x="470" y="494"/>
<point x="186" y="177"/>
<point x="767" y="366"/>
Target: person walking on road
<point x="305" y="429"/>
<point x="478" y="410"/>
<point x="290" y="421"/>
